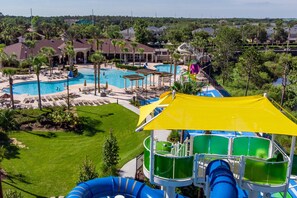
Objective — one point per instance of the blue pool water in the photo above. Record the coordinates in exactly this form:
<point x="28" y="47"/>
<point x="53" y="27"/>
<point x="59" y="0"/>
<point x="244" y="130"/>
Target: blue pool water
<point x="166" y="68"/>
<point x="112" y="76"/>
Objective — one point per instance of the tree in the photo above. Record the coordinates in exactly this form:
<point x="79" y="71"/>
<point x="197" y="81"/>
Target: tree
<point x="134" y="46"/>
<point x="30" y="44"/>
<point x="227" y="43"/>
<point x="49" y="52"/>
<point x="121" y="45"/>
<point x="250" y="61"/>
<point x="142" y="34"/>
<point x="97" y="58"/>
<point x="175" y="56"/>
<point x="87" y="171"/>
<point x="37" y="62"/>
<point x="141" y="51"/>
<point x="110" y="152"/>
<point x="114" y="43"/>
<point x="125" y="50"/>
<point x="8" y="120"/>
<point x="10" y="72"/>
<point x="287" y="62"/>
<point x="69" y="50"/>
<point x="95" y="33"/>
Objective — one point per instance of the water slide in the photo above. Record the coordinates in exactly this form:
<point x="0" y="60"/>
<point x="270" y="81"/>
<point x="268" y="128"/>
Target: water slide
<point x="113" y="186"/>
<point x="221" y="180"/>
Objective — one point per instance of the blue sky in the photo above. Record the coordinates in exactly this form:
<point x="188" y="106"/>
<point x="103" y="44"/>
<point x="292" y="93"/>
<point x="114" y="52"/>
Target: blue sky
<point x="152" y="8"/>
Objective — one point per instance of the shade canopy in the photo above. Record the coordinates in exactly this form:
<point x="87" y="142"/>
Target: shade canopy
<point x="251" y="113"/>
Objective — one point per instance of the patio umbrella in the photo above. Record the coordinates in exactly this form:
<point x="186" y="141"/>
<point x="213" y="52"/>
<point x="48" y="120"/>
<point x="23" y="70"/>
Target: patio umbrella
<point x="85" y="83"/>
<point x="106" y="85"/>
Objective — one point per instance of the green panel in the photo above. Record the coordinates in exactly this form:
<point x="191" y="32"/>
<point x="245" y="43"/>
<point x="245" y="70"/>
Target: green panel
<point x="265" y="172"/>
<point x="219" y="145"/>
<point x="146" y="160"/>
<point x="147" y="142"/>
<point x="183" y="168"/>
<point x="251" y="146"/>
<point x="164" y="166"/>
<point x="163" y="147"/>
<point x="210" y="144"/>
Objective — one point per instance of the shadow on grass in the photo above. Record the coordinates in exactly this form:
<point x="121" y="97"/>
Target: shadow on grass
<point x="44" y="135"/>
<point x="97" y="114"/>
<point x="22" y="190"/>
<point x="90" y="126"/>
<point x="12" y="151"/>
<point x="19" y="177"/>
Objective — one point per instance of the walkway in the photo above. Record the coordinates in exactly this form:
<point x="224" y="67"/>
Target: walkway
<point x="129" y="169"/>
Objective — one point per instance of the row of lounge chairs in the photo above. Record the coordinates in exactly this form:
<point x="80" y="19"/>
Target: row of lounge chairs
<point x="51" y="98"/>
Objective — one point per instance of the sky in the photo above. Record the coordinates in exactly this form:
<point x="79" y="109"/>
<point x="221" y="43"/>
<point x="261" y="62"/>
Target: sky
<point x="154" y="8"/>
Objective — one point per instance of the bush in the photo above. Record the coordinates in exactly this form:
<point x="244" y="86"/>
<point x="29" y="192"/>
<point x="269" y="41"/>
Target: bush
<point x="13" y="194"/>
<point x="110" y="154"/>
<point x="87" y="171"/>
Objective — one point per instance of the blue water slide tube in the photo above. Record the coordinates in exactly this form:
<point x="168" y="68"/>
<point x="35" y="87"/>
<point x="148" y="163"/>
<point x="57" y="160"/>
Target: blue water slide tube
<point x="112" y="186"/>
<point x="221" y="180"/>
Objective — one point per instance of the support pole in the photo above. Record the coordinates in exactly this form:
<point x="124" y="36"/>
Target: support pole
<point x="152" y="168"/>
<point x="169" y="191"/>
<point x="293" y="142"/>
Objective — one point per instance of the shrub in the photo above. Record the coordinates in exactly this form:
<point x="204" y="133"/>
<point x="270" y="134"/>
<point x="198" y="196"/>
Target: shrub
<point x="129" y="67"/>
<point x="87" y="171"/>
<point x="13" y="194"/>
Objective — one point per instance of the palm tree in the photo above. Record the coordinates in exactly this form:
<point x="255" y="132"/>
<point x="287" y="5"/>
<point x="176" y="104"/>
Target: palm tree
<point x="176" y="57"/>
<point x="49" y="52"/>
<point x="121" y="45"/>
<point x="114" y="43"/>
<point x="37" y="62"/>
<point x="134" y="46"/>
<point x="125" y="50"/>
<point x="97" y="58"/>
<point x="69" y="50"/>
<point x="30" y="44"/>
<point x="10" y="72"/>
<point x="141" y="51"/>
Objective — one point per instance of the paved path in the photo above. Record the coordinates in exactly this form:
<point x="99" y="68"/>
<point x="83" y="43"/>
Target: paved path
<point x="129" y="169"/>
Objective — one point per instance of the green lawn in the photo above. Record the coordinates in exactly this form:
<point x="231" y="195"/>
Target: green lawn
<point x="49" y="165"/>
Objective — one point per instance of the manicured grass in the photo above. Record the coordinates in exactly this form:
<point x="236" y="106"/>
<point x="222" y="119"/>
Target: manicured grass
<point x="50" y="163"/>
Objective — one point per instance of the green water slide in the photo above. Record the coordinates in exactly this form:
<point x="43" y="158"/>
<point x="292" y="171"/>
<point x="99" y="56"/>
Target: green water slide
<point x="166" y="165"/>
<point x="251" y="146"/>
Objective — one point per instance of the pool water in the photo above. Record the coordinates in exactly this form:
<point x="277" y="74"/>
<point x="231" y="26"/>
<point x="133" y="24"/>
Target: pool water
<point x="112" y="76"/>
<point x="166" y="68"/>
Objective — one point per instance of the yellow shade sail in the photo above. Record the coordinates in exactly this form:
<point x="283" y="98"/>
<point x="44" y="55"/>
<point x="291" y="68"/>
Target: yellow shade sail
<point x="147" y="109"/>
<point x="252" y="114"/>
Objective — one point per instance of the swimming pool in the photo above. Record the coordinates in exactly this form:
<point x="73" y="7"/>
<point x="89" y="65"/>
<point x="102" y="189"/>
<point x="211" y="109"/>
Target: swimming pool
<point x="166" y="68"/>
<point x="112" y="76"/>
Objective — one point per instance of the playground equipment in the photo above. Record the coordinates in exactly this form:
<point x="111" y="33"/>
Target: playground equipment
<point x="194" y="69"/>
<point x="115" y="186"/>
<point x="257" y="164"/>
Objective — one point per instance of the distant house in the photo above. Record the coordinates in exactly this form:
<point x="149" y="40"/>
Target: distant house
<point x="209" y="30"/>
<point x="129" y="34"/>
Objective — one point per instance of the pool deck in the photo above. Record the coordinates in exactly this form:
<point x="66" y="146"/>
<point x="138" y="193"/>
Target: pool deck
<point x="116" y="94"/>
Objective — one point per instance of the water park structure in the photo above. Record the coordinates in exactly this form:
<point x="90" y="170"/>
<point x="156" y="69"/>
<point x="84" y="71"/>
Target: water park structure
<point x="213" y="162"/>
<point x="216" y="163"/>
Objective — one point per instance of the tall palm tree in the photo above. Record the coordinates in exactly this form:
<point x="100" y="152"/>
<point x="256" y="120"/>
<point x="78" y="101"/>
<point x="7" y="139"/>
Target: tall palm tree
<point x="134" y="46"/>
<point x="125" y="50"/>
<point x="121" y="45"/>
<point x="114" y="43"/>
<point x="10" y="72"/>
<point x="176" y="57"/>
<point x="69" y="50"/>
<point x="49" y="52"/>
<point x="97" y="58"/>
<point x="141" y="51"/>
<point x="37" y="62"/>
